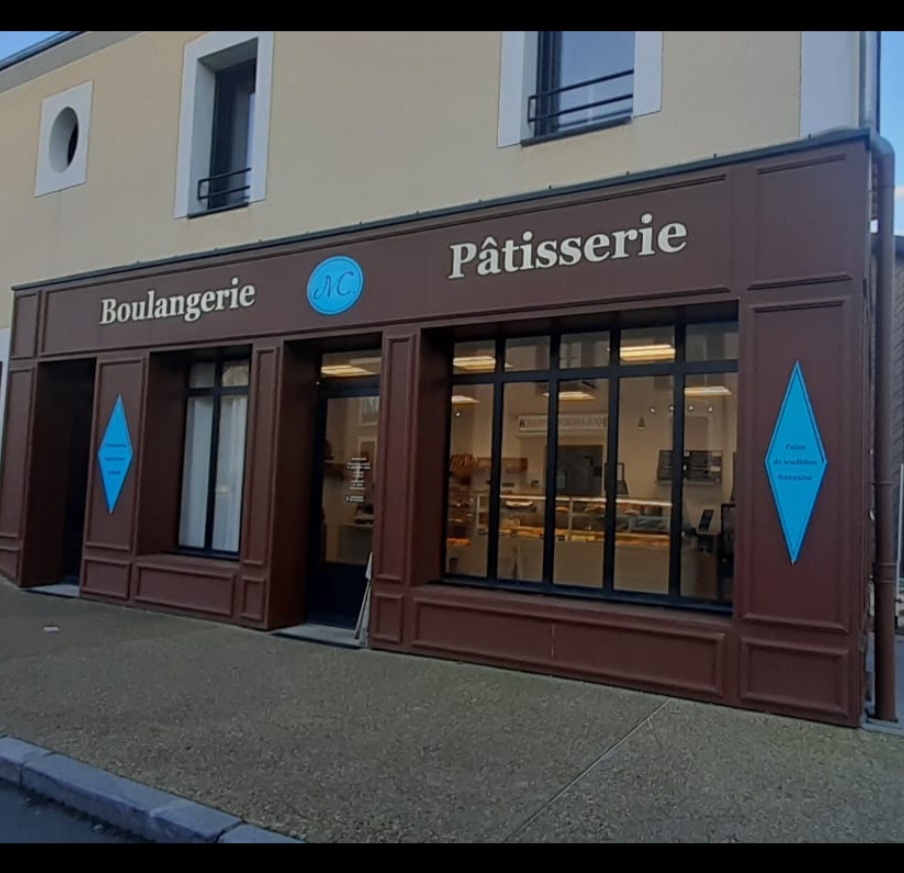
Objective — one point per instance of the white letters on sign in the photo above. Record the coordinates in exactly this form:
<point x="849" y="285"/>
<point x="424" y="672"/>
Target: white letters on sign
<point x="189" y="307"/>
<point x="511" y="256"/>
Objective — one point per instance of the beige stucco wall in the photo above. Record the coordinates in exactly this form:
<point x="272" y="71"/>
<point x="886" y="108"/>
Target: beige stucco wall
<point x="363" y="126"/>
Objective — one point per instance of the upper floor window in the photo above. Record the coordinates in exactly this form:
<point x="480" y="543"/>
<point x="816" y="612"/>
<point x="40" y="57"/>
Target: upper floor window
<point x="231" y="138"/>
<point x="224" y="125"/>
<point x="584" y="78"/>
<point x="63" y="140"/>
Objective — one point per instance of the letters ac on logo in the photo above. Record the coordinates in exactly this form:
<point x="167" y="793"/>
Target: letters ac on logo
<point x="335" y="285"/>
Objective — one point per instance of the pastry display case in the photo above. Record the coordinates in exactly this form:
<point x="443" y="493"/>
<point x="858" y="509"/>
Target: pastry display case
<point x="578" y="519"/>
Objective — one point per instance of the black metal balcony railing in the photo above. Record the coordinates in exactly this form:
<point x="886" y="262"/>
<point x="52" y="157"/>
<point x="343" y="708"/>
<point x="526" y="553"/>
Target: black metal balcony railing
<point x="543" y="108"/>
<point x="218" y="193"/>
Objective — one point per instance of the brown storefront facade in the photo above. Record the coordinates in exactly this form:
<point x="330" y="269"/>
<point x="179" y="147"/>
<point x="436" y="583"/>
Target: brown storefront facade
<point x="613" y="293"/>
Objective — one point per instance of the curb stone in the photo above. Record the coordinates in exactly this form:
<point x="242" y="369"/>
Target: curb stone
<point x="123" y="803"/>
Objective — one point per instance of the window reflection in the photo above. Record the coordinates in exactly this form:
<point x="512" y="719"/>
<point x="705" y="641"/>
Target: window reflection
<point x="351" y="365"/>
<point x="580" y="484"/>
<point x="522" y="485"/>
<point x="643" y="508"/>
<point x="710" y="446"/>
<point x="470" y="462"/>
<point x="621" y="544"/>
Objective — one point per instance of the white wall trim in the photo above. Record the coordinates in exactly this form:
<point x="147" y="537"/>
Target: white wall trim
<point x="869" y="82"/>
<point x="518" y="79"/>
<point x="4" y="377"/>
<point x="647" y="72"/>
<point x="50" y="178"/>
<point x="196" y="115"/>
<point x="829" y="80"/>
<point x="517" y="74"/>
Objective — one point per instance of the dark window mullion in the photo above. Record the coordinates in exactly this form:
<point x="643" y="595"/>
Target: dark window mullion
<point x="589" y="373"/>
<point x="552" y="452"/>
<point x="496" y="466"/>
<point x="547" y="65"/>
<point x="611" y="468"/>
<point x="677" y="491"/>
<point x="212" y="469"/>
<point x="555" y="80"/>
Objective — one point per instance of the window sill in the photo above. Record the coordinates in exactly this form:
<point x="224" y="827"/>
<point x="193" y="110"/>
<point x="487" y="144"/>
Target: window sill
<point x="603" y="124"/>
<point x="230" y="208"/>
<point x="586" y="597"/>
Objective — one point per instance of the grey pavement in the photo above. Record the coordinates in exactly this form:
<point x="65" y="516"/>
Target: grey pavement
<point x="25" y="818"/>
<point x="330" y="744"/>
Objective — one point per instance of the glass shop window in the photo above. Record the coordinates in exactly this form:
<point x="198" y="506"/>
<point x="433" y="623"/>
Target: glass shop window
<point x="214" y="456"/>
<point x="569" y="454"/>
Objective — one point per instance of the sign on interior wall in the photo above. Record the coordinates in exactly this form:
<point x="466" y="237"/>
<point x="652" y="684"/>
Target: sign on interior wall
<point x="568" y="423"/>
<point x="114" y="457"/>
<point x="335" y="285"/>
<point x="795" y="463"/>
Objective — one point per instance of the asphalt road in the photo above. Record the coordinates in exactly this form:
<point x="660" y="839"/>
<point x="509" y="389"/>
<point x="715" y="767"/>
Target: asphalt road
<point x="28" y="819"/>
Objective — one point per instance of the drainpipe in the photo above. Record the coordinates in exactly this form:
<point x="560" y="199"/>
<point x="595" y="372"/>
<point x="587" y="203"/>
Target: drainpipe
<point x="884" y="568"/>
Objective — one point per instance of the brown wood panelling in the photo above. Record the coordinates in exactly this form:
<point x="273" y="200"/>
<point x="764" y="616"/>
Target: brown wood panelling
<point x="9" y="560"/>
<point x="614" y="647"/>
<point x="199" y="586"/>
<point x="259" y="456"/>
<point x="430" y="420"/>
<point x="386" y="617"/>
<point x="814" y="591"/>
<point x="393" y="501"/>
<point x="251" y="594"/>
<point x="105" y="577"/>
<point x="25" y="326"/>
<point x="787" y="248"/>
<point x="17" y="430"/>
<point x="793" y="677"/>
<point x="291" y="491"/>
<point x="897" y="369"/>
<point x="159" y="497"/>
<point x="116" y="377"/>
<point x="408" y="269"/>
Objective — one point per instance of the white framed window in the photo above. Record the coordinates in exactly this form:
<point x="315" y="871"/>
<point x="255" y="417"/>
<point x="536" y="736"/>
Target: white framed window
<point x="63" y="140"/>
<point x="225" y="121"/>
<point x="554" y="83"/>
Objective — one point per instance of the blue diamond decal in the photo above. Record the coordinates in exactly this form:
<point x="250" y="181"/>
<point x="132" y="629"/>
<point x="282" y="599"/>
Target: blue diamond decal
<point x="795" y="463"/>
<point x="115" y="454"/>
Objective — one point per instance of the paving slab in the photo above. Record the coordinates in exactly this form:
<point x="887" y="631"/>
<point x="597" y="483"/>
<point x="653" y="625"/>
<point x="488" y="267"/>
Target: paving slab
<point x="327" y="744"/>
<point x="317" y="742"/>
<point x="697" y="773"/>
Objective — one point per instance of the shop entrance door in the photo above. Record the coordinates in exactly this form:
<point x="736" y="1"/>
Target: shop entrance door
<point x="79" y="393"/>
<point x="343" y="511"/>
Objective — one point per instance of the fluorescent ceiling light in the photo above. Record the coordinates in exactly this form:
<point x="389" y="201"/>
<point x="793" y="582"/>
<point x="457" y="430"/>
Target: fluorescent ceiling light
<point x="654" y="352"/>
<point x="344" y="370"/>
<point x="576" y="394"/>
<point x="475" y="362"/>
<point x="463" y="400"/>
<point x="478" y="363"/>
<point x="707" y="391"/>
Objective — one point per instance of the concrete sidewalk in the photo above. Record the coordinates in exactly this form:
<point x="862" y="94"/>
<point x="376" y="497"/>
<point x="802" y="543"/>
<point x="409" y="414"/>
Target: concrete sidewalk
<point x="336" y="745"/>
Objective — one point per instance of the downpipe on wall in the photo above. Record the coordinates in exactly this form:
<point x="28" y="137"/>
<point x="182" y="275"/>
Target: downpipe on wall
<point x="884" y="581"/>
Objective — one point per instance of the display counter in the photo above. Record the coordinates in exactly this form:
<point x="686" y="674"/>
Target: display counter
<point x="641" y="542"/>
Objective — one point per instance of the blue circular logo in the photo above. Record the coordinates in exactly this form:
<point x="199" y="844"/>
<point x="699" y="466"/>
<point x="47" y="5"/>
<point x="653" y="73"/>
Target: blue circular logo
<point x="335" y="285"/>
